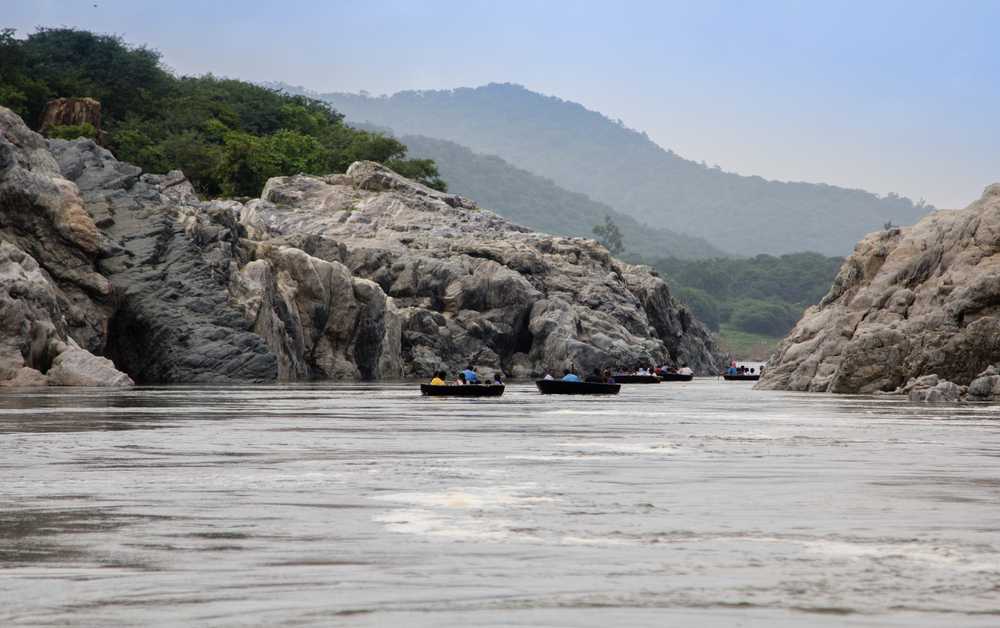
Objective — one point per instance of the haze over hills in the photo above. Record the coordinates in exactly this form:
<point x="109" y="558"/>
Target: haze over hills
<point x="540" y="204"/>
<point x="585" y="151"/>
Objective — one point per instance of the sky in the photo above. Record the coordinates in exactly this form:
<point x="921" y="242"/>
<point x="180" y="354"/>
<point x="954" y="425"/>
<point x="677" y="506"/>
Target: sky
<point x="888" y="96"/>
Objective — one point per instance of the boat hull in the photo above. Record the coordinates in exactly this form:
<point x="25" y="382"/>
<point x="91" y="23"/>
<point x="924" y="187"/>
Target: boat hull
<point x="471" y="390"/>
<point x="741" y="378"/>
<point x="559" y="387"/>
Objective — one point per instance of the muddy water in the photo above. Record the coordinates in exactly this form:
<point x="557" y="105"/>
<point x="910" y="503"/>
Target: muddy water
<point x="689" y="504"/>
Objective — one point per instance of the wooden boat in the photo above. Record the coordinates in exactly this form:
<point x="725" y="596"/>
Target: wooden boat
<point x="559" y="387"/>
<point x="675" y="377"/>
<point x="741" y="378"/>
<point x="636" y="379"/>
<point x="454" y="390"/>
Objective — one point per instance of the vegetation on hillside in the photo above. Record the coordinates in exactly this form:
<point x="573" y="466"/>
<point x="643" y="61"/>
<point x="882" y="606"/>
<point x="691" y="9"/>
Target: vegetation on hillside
<point x="227" y="136"/>
<point x="763" y="295"/>
<point x="584" y="151"/>
<point x="538" y="203"/>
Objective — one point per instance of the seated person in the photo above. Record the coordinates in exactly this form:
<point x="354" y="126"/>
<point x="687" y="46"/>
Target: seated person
<point x="570" y="376"/>
<point x="461" y="379"/>
<point x="685" y="370"/>
<point x="438" y="379"/>
<point x="608" y="379"/>
<point x="548" y="375"/>
<point x="732" y="370"/>
<point x="470" y="375"/>
<point x="595" y="377"/>
<point x="497" y="380"/>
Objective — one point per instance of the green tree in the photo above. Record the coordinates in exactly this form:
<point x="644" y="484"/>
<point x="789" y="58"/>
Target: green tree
<point x="610" y="236"/>
<point x="227" y="136"/>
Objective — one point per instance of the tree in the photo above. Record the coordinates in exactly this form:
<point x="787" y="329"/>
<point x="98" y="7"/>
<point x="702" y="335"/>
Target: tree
<point x="610" y="236"/>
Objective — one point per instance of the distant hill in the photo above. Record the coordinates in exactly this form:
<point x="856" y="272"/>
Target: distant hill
<point x="540" y="204"/>
<point x="584" y="151"/>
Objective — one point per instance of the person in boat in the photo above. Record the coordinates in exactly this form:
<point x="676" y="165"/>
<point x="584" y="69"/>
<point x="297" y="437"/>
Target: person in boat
<point x="732" y="370"/>
<point x="438" y="379"/>
<point x="497" y="379"/>
<point x="548" y="376"/>
<point x="751" y="370"/>
<point x="685" y="370"/>
<point x="595" y="377"/>
<point x="460" y="380"/>
<point x="570" y="376"/>
<point x="608" y="378"/>
<point x="471" y="377"/>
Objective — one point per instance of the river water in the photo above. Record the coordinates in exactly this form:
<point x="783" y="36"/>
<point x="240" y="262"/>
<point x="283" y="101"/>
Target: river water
<point x="701" y="504"/>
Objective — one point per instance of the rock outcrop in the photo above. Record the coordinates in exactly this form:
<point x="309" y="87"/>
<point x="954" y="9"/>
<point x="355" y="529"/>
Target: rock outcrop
<point x="54" y="305"/>
<point x="473" y="287"/>
<point x="365" y="275"/>
<point x="71" y="112"/>
<point x="923" y="300"/>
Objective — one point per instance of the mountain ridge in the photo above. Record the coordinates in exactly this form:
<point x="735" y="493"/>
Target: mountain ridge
<point x="586" y="151"/>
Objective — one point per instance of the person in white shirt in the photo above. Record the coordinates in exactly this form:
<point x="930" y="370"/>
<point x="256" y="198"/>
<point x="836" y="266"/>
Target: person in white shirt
<point x="685" y="370"/>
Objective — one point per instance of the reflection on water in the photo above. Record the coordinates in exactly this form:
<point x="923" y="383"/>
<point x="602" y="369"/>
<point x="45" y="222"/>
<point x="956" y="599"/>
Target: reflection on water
<point x="698" y="504"/>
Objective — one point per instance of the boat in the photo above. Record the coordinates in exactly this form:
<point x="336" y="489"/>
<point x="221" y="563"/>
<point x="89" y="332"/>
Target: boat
<point x="741" y="378"/>
<point x="455" y="390"/>
<point x="559" y="387"/>
<point x="636" y="379"/>
<point x="676" y="377"/>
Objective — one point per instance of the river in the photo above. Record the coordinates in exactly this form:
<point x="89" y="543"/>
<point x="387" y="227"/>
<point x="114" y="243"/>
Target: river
<point x="705" y="504"/>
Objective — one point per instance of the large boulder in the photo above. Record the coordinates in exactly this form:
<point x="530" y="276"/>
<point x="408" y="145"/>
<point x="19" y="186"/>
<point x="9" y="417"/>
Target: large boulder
<point x="71" y="112"/>
<point x="473" y="287"/>
<point x="907" y="303"/>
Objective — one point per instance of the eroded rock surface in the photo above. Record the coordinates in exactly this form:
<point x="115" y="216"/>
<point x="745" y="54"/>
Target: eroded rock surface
<point x="907" y="303"/>
<point x="47" y="307"/>
<point x="473" y="287"/>
<point x="365" y="275"/>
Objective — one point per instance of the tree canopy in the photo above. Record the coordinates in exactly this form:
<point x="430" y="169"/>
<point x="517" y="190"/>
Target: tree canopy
<point x="228" y="136"/>
<point x="765" y="294"/>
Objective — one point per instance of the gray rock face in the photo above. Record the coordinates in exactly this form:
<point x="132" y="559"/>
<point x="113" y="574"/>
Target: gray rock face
<point x="473" y="287"/>
<point x="170" y="267"/>
<point x="365" y="275"/>
<point x="907" y="303"/>
<point x="51" y="296"/>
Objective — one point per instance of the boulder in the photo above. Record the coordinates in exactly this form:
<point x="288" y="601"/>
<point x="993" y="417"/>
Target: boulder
<point x="907" y="303"/>
<point x="76" y="367"/>
<point x="71" y="112"/>
<point x="473" y="287"/>
<point x="35" y="349"/>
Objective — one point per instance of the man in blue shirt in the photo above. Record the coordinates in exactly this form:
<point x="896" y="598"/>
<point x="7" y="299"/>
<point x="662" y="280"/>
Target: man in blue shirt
<point x="570" y="376"/>
<point x="470" y="375"/>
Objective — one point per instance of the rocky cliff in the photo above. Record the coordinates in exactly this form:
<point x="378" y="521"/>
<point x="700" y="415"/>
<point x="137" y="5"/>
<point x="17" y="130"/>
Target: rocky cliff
<point x="908" y="303"/>
<point x="365" y="275"/>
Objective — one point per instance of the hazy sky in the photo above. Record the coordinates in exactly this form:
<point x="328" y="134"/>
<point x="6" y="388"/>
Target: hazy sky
<point x="886" y="96"/>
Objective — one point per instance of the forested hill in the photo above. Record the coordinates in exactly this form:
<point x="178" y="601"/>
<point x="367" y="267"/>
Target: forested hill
<point x="584" y="151"/>
<point x="227" y="136"/>
<point x="540" y="204"/>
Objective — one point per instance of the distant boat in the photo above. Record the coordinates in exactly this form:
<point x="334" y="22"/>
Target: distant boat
<point x="636" y="379"/>
<point x="559" y="387"/>
<point x="742" y="378"/>
<point x="455" y="390"/>
<point x="676" y="377"/>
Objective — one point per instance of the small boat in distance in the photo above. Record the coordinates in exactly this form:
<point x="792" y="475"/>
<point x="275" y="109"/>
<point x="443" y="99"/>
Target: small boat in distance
<point x="469" y="390"/>
<point x="559" y="387"/>
<point x="741" y="378"/>
<point x="623" y="378"/>
<point x="676" y="377"/>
